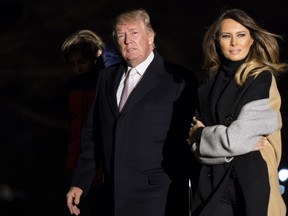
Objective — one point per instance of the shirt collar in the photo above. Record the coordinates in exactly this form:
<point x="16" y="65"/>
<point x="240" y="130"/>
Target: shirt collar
<point x="141" y="68"/>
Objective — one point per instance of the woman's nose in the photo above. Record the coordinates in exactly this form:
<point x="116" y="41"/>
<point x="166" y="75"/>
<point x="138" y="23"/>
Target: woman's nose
<point x="233" y="41"/>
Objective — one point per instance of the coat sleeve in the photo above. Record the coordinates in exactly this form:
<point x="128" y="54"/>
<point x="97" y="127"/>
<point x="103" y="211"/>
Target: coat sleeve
<point x="84" y="170"/>
<point x="219" y="144"/>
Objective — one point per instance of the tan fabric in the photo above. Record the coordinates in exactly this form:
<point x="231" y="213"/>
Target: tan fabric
<point x="272" y="156"/>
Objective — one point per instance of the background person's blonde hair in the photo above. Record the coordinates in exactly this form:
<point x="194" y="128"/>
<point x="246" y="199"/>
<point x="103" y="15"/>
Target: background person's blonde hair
<point x="85" y="41"/>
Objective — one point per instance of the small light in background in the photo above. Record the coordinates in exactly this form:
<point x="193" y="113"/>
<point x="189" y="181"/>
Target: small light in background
<point x="283" y="175"/>
<point x="282" y="189"/>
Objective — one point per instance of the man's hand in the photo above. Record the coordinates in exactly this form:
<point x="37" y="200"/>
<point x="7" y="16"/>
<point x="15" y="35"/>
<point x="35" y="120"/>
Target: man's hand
<point x="73" y="199"/>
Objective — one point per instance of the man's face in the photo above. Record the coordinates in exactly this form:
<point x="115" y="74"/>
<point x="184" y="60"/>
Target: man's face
<point x="80" y="64"/>
<point x="134" y="41"/>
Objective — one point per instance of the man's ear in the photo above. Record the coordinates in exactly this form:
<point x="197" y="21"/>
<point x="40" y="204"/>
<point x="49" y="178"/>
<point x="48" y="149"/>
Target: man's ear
<point x="151" y="37"/>
<point x="99" y="52"/>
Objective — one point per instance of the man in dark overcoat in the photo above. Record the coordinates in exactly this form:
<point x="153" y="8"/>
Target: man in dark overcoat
<point x="147" y="162"/>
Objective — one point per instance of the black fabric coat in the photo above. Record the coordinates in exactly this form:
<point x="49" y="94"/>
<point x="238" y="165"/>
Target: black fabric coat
<point x="251" y="169"/>
<point x="146" y="158"/>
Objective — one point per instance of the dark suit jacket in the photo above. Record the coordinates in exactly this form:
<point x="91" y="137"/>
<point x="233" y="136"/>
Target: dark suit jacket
<point x="146" y="158"/>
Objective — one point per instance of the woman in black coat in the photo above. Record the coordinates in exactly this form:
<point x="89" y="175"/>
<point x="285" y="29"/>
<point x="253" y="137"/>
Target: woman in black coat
<point x="236" y="132"/>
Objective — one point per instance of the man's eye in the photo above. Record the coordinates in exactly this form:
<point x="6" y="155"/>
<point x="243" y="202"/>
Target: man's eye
<point x="71" y="63"/>
<point x="83" y="61"/>
<point x="120" y="36"/>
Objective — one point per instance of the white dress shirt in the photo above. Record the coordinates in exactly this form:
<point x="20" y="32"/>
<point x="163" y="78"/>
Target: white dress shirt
<point x="141" y="68"/>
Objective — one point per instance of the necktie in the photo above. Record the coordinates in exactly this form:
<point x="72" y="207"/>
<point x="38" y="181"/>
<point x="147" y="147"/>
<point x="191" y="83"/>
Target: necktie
<point x="129" y="84"/>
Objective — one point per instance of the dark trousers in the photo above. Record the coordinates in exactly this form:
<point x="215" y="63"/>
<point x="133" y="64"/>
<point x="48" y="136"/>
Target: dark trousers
<point x="232" y="202"/>
<point x="99" y="201"/>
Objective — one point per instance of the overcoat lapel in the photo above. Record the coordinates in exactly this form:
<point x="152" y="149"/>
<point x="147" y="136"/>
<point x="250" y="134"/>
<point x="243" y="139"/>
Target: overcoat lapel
<point x="112" y="86"/>
<point x="206" y="99"/>
<point x="149" y="80"/>
<point x="221" y="106"/>
<point x="229" y="103"/>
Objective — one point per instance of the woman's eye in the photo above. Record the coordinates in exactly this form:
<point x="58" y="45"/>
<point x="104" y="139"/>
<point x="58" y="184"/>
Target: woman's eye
<point x="241" y="35"/>
<point x="225" y="36"/>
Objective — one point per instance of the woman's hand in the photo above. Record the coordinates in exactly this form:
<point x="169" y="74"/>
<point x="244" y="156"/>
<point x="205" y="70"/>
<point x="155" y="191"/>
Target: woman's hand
<point x="192" y="132"/>
<point x="261" y="144"/>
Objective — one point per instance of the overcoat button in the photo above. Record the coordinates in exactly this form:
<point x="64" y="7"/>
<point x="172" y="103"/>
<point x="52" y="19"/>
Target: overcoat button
<point x="229" y="117"/>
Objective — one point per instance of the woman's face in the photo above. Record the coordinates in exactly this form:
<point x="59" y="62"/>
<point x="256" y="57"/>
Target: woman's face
<point x="234" y="40"/>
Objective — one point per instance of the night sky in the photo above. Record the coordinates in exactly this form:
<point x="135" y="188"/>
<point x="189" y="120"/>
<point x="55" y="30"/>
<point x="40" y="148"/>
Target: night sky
<point x="34" y="77"/>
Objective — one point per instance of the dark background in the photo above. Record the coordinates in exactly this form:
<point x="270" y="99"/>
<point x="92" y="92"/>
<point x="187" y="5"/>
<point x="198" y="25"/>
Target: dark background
<point x="33" y="80"/>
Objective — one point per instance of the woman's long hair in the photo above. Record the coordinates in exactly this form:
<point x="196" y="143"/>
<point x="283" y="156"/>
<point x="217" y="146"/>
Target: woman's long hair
<point x="263" y="54"/>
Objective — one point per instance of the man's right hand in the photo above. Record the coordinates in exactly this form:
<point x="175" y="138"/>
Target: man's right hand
<point x="73" y="199"/>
